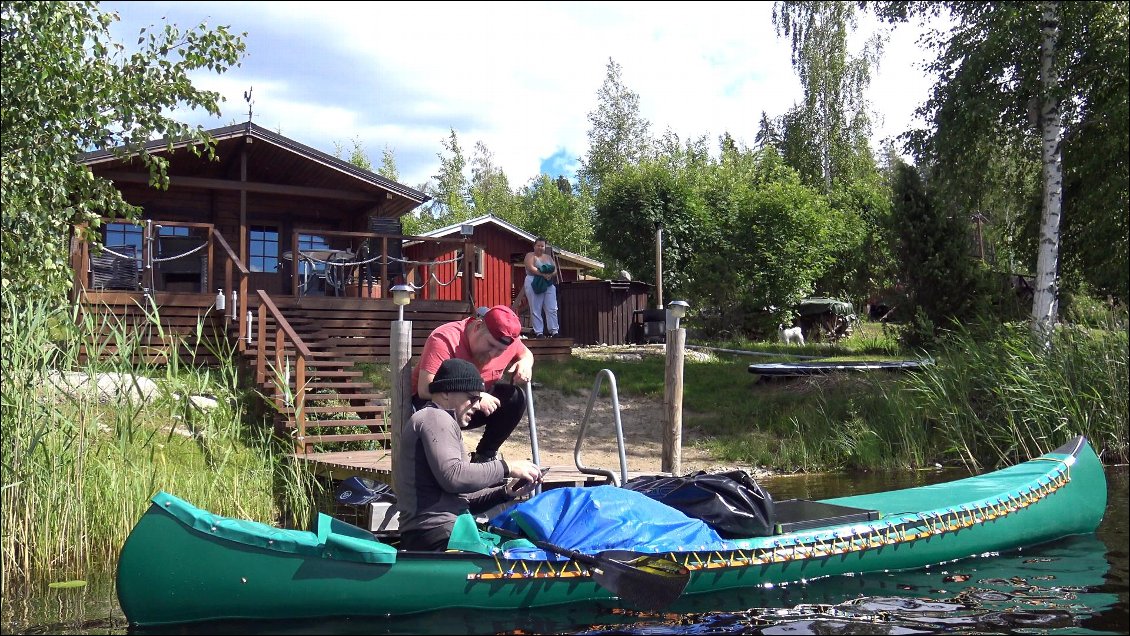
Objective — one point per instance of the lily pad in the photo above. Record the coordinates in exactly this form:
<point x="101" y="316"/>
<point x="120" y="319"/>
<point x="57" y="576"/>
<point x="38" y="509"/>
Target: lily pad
<point x="66" y="584"/>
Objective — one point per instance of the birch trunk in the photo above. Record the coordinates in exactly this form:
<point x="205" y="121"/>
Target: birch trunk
<point x="1045" y="303"/>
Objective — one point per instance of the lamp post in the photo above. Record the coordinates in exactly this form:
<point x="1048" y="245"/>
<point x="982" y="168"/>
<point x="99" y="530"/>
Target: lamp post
<point x="401" y="296"/>
<point x="676" y="338"/>
<point x="676" y="309"/>
<point x="400" y="356"/>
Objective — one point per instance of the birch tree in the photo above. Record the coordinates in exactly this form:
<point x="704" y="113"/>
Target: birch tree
<point x="490" y="189"/>
<point x="619" y="135"/>
<point x="823" y="133"/>
<point x="1030" y="84"/>
<point x="1045" y="303"/>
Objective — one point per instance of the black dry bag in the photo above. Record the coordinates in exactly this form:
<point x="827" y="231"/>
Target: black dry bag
<point x="731" y="502"/>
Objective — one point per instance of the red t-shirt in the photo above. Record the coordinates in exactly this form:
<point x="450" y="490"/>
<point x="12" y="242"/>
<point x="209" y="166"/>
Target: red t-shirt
<point x="451" y="340"/>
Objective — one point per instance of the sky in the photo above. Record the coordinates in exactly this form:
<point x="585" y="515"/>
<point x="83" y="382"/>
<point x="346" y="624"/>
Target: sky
<point x="520" y="77"/>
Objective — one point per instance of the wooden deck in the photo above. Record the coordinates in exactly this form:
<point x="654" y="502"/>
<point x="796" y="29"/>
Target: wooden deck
<point x="378" y="465"/>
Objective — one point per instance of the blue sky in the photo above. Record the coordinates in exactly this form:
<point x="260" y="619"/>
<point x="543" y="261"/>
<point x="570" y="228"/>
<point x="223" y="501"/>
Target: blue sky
<point x="520" y="77"/>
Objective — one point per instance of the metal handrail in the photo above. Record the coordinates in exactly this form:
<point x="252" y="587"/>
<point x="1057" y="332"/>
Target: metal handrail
<point x="619" y="431"/>
<point x="535" y="454"/>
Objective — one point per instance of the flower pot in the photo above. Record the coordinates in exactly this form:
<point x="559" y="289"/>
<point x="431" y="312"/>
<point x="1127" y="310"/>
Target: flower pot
<point x="353" y="290"/>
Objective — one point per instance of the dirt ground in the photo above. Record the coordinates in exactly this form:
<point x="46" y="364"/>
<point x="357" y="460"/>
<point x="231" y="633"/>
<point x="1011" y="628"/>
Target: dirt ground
<point x="558" y="421"/>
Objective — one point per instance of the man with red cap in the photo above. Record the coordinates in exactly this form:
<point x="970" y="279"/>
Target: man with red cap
<point x="492" y="343"/>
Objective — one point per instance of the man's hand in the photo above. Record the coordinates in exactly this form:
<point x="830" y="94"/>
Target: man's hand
<point x="523" y="370"/>
<point x="526" y="476"/>
<point x="488" y="403"/>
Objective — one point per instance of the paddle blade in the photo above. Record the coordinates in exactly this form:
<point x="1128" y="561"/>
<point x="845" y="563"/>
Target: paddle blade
<point x="645" y="581"/>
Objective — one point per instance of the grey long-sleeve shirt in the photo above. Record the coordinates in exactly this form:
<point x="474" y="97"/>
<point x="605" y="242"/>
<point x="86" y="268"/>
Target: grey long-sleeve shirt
<point x="433" y="478"/>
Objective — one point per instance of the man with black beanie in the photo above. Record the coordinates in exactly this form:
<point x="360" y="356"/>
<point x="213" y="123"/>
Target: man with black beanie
<point x="432" y="476"/>
<point x="492" y="342"/>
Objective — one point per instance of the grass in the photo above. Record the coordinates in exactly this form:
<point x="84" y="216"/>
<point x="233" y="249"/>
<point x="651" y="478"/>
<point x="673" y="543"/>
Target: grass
<point x="79" y="467"/>
<point x="869" y="341"/>
<point x="993" y="397"/>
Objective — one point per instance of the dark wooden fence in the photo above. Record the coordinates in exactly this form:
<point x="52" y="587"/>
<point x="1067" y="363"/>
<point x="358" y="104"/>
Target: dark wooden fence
<point x="601" y="311"/>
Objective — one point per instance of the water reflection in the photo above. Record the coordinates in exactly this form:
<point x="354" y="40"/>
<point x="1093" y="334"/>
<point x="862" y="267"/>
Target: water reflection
<point x="1039" y="591"/>
<point x="1079" y="583"/>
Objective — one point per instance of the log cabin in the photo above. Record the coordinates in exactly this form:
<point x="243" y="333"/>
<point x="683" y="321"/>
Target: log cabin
<point x="282" y="257"/>
<point x="285" y="255"/>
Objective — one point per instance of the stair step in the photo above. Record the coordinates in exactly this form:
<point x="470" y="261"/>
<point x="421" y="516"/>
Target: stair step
<point x="290" y="425"/>
<point x="317" y="349"/>
<point x="357" y="437"/>
<point x="329" y="364"/>
<point x="336" y="374"/>
<point x="379" y="398"/>
<point x="346" y="409"/>
<point x="339" y="385"/>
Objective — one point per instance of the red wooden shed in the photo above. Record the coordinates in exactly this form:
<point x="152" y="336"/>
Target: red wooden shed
<point x="499" y="249"/>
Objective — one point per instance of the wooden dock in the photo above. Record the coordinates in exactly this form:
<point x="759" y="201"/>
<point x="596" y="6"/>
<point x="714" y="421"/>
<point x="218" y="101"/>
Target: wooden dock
<point x="378" y="465"/>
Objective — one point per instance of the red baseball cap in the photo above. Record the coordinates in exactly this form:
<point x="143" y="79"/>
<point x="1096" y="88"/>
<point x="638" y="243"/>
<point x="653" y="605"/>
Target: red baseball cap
<point x="503" y="324"/>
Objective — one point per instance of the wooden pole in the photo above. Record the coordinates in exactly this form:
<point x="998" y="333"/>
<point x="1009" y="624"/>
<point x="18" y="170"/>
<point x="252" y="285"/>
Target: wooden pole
<point x="658" y="265"/>
<point x="400" y="370"/>
<point x="673" y="402"/>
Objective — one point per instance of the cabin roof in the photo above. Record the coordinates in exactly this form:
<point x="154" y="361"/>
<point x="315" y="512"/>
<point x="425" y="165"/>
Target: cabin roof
<point x="490" y="219"/>
<point x="273" y="159"/>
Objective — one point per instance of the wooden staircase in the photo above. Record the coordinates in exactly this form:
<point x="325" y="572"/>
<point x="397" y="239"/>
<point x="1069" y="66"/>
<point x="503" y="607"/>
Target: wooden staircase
<point x="339" y="405"/>
<point x="344" y="420"/>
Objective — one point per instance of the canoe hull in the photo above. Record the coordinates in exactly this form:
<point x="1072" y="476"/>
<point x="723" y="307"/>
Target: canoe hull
<point x="172" y="572"/>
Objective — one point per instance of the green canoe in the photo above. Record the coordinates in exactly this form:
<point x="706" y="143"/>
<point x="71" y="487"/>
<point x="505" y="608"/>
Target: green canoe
<point x="181" y="564"/>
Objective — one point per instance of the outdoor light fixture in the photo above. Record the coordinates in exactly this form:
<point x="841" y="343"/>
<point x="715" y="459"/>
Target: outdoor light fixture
<point x="466" y="229"/>
<point x="678" y="309"/>
<point x="401" y="296"/>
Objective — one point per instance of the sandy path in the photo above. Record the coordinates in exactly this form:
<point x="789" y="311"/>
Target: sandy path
<point x="558" y="419"/>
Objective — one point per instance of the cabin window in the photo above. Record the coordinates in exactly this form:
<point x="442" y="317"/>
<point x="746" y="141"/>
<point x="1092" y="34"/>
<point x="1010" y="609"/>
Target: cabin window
<point x="121" y="237"/>
<point x="264" y="246"/>
<point x="172" y="230"/>
<point x="308" y="243"/>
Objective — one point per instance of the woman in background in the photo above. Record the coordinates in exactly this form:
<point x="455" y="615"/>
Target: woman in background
<point x="541" y="289"/>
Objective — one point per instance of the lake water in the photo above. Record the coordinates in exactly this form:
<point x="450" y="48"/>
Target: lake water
<point x="1077" y="585"/>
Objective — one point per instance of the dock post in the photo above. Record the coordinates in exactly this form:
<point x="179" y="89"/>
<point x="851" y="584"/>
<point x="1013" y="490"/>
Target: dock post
<point x="400" y="365"/>
<point x="400" y="368"/>
<point x="676" y="337"/>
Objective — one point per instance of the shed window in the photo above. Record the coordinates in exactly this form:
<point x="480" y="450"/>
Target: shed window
<point x="479" y="262"/>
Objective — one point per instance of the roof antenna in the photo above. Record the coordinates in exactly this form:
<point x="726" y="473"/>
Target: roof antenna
<point x="247" y="98"/>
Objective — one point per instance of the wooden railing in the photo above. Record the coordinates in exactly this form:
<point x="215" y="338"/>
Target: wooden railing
<point x="283" y="333"/>
<point x="351" y="242"/>
<point x="150" y="232"/>
<point x="238" y="310"/>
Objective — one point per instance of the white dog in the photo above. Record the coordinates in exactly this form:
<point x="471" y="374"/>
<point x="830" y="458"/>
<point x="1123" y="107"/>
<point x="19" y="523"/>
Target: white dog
<point x="790" y="335"/>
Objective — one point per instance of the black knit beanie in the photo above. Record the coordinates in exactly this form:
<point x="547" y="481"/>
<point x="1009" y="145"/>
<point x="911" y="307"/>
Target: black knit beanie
<point x="456" y="375"/>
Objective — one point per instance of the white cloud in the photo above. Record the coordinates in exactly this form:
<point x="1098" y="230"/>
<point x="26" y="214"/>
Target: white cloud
<point x="521" y="77"/>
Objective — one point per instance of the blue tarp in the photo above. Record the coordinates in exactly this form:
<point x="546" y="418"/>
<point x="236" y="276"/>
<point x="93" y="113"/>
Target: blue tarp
<point x="601" y="518"/>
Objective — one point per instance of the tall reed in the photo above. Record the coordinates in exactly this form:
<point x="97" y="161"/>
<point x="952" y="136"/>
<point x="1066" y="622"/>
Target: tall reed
<point x="998" y="396"/>
<point x="79" y="466"/>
